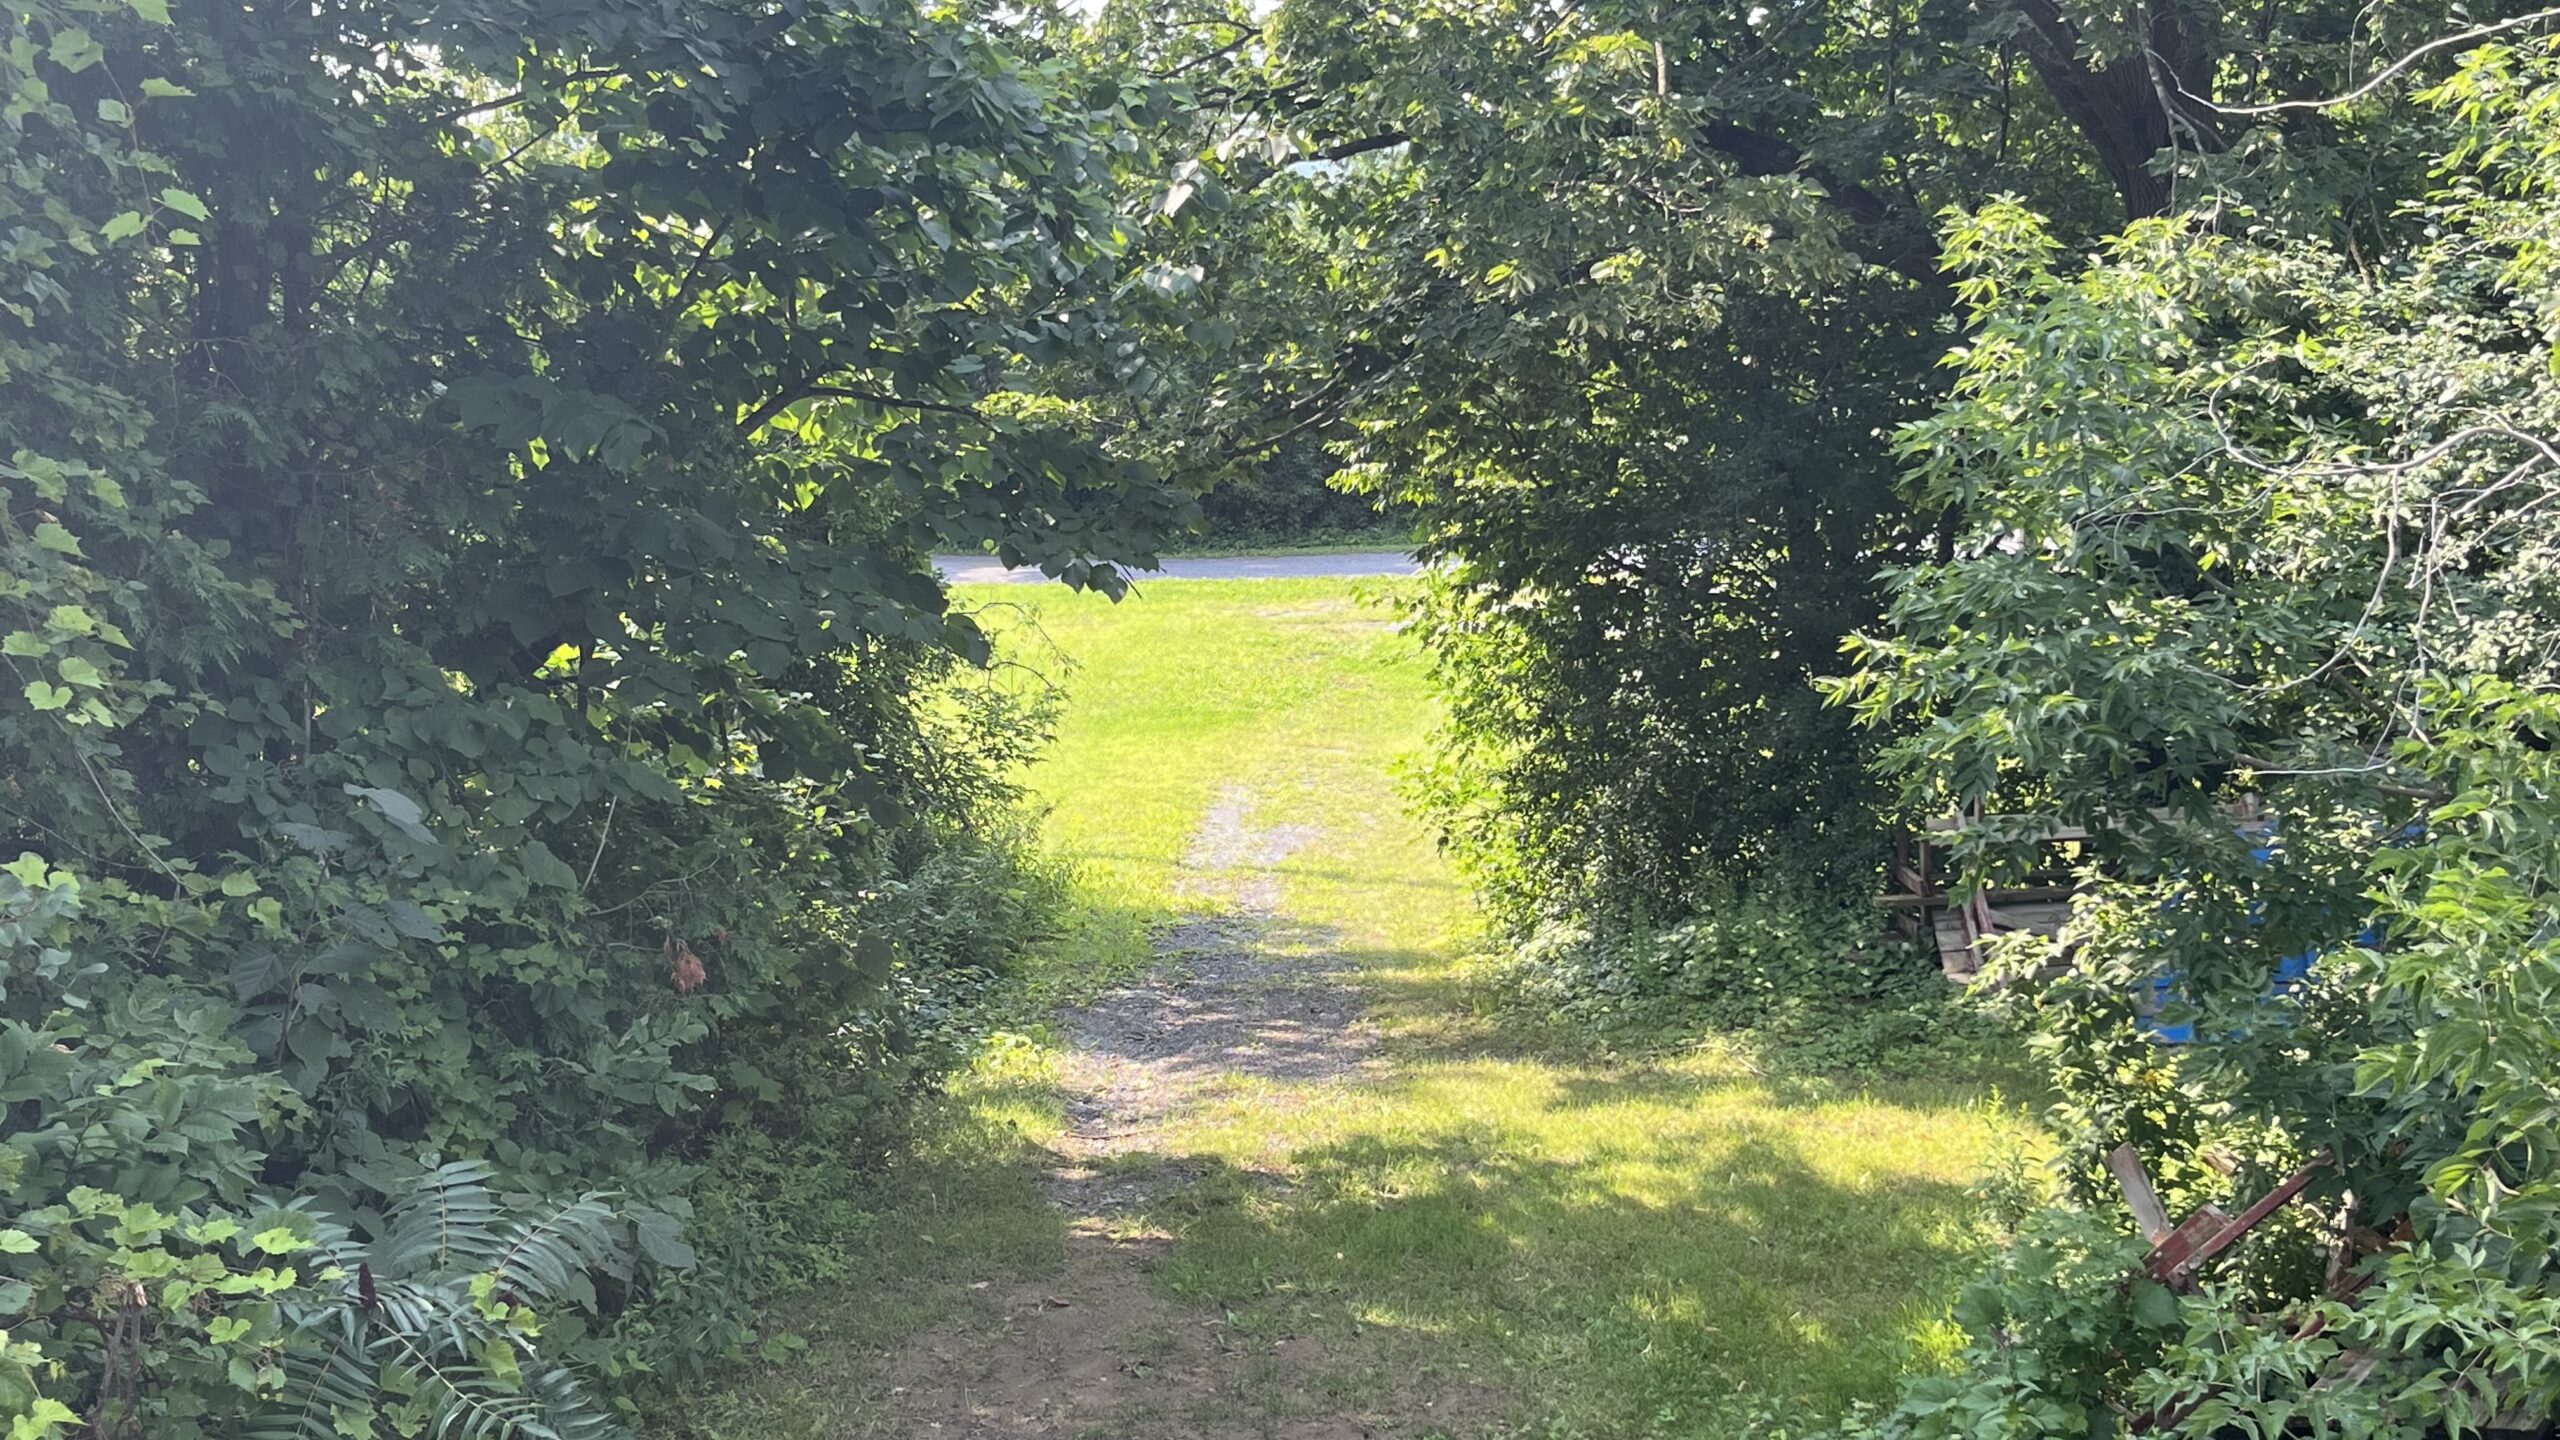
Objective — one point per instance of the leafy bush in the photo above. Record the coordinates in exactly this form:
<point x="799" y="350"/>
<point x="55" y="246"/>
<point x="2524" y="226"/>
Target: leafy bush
<point x="1289" y="498"/>
<point x="475" y="696"/>
<point x="1625" y="666"/>
<point x="2254" y="518"/>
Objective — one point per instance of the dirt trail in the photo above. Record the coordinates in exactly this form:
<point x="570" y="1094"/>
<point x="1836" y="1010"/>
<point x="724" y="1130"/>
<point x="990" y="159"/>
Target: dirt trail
<point x="1095" y="1353"/>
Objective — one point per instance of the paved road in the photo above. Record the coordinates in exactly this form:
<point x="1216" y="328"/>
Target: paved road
<point x="986" y="570"/>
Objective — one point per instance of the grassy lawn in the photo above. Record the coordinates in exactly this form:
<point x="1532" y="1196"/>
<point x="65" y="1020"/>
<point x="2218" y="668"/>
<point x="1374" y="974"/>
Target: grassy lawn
<point x="1608" y="1249"/>
<point x="1293" y="689"/>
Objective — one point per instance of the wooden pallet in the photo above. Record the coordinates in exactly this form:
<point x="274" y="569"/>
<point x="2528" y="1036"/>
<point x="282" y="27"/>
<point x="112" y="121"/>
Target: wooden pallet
<point x="1962" y="933"/>
<point x="1921" y="898"/>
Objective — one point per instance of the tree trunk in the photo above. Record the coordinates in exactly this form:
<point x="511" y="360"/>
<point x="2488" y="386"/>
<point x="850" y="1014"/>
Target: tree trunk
<point x="2130" y="109"/>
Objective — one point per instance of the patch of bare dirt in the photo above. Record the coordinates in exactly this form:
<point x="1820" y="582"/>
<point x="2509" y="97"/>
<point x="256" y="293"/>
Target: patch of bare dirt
<point x="1095" y="1352"/>
<point x="1234" y="866"/>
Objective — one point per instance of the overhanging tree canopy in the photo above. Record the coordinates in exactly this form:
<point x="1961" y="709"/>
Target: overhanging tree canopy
<point x="467" y="472"/>
<point x="1629" y="296"/>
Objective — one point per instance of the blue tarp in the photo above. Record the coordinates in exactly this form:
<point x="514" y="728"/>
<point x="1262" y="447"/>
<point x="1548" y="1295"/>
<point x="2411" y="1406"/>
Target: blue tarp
<point x="2291" y="972"/>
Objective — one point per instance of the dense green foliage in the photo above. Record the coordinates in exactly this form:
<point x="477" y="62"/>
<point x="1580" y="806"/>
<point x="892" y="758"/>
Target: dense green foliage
<point x="1794" y="965"/>
<point x="2236" y="493"/>
<point x="474" y="693"/>
<point x="1293" y="496"/>
<point x="2249" y="514"/>
<point x="1626" y="301"/>
<point x="487" y="781"/>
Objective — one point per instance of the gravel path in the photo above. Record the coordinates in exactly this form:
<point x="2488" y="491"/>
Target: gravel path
<point x="986" y="570"/>
<point x="1097" y="1352"/>
<point x="1236" y="991"/>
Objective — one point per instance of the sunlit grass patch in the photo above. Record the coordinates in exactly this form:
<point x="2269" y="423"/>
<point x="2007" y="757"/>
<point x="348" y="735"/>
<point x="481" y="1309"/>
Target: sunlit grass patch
<point x="1175" y="694"/>
<point x="1645" y="1242"/>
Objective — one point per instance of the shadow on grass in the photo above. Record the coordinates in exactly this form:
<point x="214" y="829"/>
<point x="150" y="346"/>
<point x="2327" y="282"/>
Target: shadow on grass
<point x="1632" y="1246"/>
<point x="1732" y="1273"/>
<point x="857" y="1259"/>
<point x="1626" y="1248"/>
<point x="1925" y="1050"/>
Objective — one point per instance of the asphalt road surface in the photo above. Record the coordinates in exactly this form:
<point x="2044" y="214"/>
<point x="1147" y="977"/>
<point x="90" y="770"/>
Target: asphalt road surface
<point x="987" y="570"/>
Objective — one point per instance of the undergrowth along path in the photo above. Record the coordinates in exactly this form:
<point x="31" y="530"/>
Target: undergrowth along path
<point x="1272" y="1171"/>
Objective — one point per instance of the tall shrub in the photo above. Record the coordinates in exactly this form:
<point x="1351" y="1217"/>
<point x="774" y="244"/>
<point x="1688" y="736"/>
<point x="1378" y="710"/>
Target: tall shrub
<point x="2257" y="517"/>
<point x="465" y="470"/>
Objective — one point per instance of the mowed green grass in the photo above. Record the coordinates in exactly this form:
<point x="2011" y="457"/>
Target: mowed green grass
<point x="1301" y="693"/>
<point x="1586" y="1247"/>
